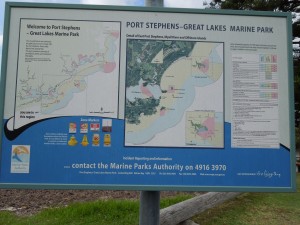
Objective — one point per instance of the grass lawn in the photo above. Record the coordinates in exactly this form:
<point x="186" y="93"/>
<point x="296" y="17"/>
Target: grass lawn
<point x="246" y="209"/>
<point x="108" y="212"/>
<point x="256" y="209"/>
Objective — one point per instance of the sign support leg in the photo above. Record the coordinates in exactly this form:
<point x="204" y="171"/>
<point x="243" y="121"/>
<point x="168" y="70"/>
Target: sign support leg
<point x="149" y="207"/>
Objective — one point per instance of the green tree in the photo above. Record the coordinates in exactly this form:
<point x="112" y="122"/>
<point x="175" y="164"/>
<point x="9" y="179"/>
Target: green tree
<point x="260" y="5"/>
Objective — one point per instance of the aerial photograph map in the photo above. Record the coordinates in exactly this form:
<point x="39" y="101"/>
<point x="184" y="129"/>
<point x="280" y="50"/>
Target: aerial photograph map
<point x="174" y="94"/>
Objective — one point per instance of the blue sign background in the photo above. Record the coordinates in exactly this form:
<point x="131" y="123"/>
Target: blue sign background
<point x="194" y="168"/>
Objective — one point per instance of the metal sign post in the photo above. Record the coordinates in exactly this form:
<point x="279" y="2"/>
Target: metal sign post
<point x="149" y="207"/>
<point x="158" y="3"/>
<point x="149" y="200"/>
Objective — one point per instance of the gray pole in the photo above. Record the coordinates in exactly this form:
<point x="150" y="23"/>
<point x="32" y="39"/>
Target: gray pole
<point x="150" y="200"/>
<point x="157" y="3"/>
<point x="149" y="208"/>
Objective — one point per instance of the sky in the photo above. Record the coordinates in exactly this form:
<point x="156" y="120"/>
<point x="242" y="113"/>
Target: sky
<point x="167" y="3"/>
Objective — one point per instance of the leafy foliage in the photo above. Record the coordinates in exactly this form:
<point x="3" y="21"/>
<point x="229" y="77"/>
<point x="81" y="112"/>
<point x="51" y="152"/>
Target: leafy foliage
<point x="260" y="5"/>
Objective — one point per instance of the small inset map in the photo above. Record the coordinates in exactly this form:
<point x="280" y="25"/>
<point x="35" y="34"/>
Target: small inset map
<point x="205" y="129"/>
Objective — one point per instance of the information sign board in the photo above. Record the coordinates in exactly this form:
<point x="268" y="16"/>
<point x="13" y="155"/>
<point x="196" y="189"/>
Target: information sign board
<point x="146" y="99"/>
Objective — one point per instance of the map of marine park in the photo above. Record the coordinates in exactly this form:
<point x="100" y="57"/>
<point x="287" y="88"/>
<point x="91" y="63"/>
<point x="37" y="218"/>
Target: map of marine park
<point x="168" y="87"/>
<point x="60" y="76"/>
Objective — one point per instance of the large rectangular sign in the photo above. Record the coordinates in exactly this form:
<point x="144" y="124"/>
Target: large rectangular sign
<point x="146" y="99"/>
